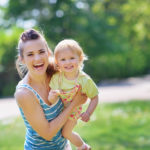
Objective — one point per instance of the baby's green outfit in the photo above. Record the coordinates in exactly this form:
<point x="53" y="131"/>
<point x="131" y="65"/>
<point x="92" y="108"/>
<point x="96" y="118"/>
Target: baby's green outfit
<point x="69" y="88"/>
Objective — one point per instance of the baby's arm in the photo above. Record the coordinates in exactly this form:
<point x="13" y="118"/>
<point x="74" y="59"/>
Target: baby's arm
<point x="53" y="96"/>
<point x="85" y="116"/>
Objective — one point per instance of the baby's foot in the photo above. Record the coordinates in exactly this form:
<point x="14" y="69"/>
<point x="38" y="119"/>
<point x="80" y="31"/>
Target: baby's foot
<point x="84" y="147"/>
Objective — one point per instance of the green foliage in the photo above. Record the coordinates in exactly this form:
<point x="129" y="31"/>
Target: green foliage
<point x="120" y="65"/>
<point x="114" y="34"/>
<point x="8" y="52"/>
<point x="115" y="126"/>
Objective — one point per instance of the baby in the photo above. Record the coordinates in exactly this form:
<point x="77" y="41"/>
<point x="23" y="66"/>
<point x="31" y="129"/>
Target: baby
<point x="69" y="58"/>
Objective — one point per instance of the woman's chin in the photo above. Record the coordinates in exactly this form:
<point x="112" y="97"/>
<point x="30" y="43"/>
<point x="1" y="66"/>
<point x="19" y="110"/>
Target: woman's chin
<point x="40" y="70"/>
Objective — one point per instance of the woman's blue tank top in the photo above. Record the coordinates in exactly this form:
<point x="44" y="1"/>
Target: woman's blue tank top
<point x="33" y="141"/>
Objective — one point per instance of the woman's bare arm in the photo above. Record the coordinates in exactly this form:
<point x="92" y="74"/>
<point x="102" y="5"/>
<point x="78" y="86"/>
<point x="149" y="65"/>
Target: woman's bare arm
<point x="35" y="115"/>
<point x="59" y="121"/>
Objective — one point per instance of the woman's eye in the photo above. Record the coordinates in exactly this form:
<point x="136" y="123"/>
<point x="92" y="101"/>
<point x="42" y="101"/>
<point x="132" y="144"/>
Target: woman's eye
<point x="42" y="52"/>
<point x="29" y="54"/>
<point x="63" y="59"/>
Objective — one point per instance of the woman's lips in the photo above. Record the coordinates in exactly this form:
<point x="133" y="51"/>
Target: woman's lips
<point x="38" y="66"/>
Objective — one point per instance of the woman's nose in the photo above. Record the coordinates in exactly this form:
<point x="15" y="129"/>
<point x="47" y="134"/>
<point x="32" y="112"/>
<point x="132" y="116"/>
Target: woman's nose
<point x="37" y="57"/>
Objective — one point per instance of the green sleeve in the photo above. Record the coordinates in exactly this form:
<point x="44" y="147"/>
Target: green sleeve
<point x="54" y="82"/>
<point x="90" y="88"/>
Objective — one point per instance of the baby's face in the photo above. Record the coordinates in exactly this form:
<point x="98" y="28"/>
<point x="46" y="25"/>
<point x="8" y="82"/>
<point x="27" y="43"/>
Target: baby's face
<point x="68" y="61"/>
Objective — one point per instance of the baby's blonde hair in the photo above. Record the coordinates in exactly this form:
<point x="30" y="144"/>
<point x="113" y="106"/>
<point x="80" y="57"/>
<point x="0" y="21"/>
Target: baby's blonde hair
<point x="72" y="45"/>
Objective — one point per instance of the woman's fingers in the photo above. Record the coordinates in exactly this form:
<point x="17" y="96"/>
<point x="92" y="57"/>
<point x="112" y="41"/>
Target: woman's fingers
<point x="54" y="92"/>
<point x="80" y="98"/>
<point x="79" y="90"/>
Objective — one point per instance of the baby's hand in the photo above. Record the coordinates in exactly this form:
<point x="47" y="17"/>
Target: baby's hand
<point x="53" y="96"/>
<point x="85" y="116"/>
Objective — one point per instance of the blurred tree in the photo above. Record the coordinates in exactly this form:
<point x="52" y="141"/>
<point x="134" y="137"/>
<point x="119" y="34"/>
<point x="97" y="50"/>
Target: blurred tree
<point x="62" y="19"/>
<point x="128" y="38"/>
<point x="8" y="54"/>
<point x="113" y="33"/>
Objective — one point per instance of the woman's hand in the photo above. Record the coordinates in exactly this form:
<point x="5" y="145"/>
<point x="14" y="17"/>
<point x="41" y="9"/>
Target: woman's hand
<point x="79" y="98"/>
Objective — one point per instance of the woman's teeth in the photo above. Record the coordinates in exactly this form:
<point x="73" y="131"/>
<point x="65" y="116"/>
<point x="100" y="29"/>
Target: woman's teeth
<point x="38" y="65"/>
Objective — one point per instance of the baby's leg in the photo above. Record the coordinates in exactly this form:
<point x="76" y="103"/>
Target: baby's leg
<point x="68" y="146"/>
<point x="70" y="135"/>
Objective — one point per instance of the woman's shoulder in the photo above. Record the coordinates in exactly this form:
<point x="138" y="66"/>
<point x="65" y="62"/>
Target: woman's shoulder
<point x="22" y="94"/>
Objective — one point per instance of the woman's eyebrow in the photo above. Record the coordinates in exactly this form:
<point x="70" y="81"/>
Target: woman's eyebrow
<point x="29" y="52"/>
<point x="42" y="49"/>
<point x="38" y="50"/>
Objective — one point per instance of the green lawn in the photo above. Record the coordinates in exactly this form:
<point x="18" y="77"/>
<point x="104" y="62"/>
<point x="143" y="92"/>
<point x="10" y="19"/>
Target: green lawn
<point x="117" y="126"/>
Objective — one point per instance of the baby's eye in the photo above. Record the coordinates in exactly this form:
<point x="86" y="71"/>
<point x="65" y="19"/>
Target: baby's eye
<point x="72" y="58"/>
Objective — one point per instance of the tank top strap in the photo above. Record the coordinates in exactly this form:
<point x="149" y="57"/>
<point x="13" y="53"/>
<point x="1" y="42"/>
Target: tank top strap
<point x="29" y="88"/>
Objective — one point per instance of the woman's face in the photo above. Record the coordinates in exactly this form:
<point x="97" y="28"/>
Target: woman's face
<point x="35" y="56"/>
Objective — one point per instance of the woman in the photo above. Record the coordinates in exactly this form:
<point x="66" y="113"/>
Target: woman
<point x="42" y="120"/>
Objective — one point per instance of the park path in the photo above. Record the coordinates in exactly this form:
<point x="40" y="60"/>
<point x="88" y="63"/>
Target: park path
<point x="137" y="88"/>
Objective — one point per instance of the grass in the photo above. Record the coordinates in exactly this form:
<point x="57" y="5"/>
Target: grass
<point x="12" y="133"/>
<point x="117" y="126"/>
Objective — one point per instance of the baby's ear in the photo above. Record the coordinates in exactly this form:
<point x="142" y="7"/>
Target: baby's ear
<point x="81" y="58"/>
<point x="55" y="61"/>
<point x="56" y="66"/>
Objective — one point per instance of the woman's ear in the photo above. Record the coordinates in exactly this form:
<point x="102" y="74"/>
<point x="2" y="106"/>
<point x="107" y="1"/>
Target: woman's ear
<point x="21" y="59"/>
<point x="49" y="54"/>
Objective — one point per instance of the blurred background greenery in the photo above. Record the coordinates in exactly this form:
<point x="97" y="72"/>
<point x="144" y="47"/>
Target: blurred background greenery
<point x="113" y="33"/>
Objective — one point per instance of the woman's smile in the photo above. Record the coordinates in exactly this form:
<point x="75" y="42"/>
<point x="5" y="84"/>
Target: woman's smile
<point x="39" y="66"/>
<point x="36" y="56"/>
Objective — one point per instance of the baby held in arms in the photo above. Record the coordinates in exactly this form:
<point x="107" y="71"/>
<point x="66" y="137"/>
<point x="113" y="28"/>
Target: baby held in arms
<point x="69" y="58"/>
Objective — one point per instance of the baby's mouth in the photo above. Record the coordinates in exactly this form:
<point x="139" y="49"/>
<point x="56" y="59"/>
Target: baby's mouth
<point x="70" y="67"/>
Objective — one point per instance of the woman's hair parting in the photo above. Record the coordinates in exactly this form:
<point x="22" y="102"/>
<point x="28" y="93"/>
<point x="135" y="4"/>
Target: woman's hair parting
<point x="26" y="36"/>
<point x="70" y="44"/>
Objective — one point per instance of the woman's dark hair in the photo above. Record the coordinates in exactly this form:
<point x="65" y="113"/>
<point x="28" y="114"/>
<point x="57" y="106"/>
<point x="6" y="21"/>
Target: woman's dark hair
<point x="26" y="36"/>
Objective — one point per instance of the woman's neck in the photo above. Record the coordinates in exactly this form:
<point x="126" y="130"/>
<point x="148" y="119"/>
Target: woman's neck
<point x="39" y="84"/>
<point x="40" y="80"/>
